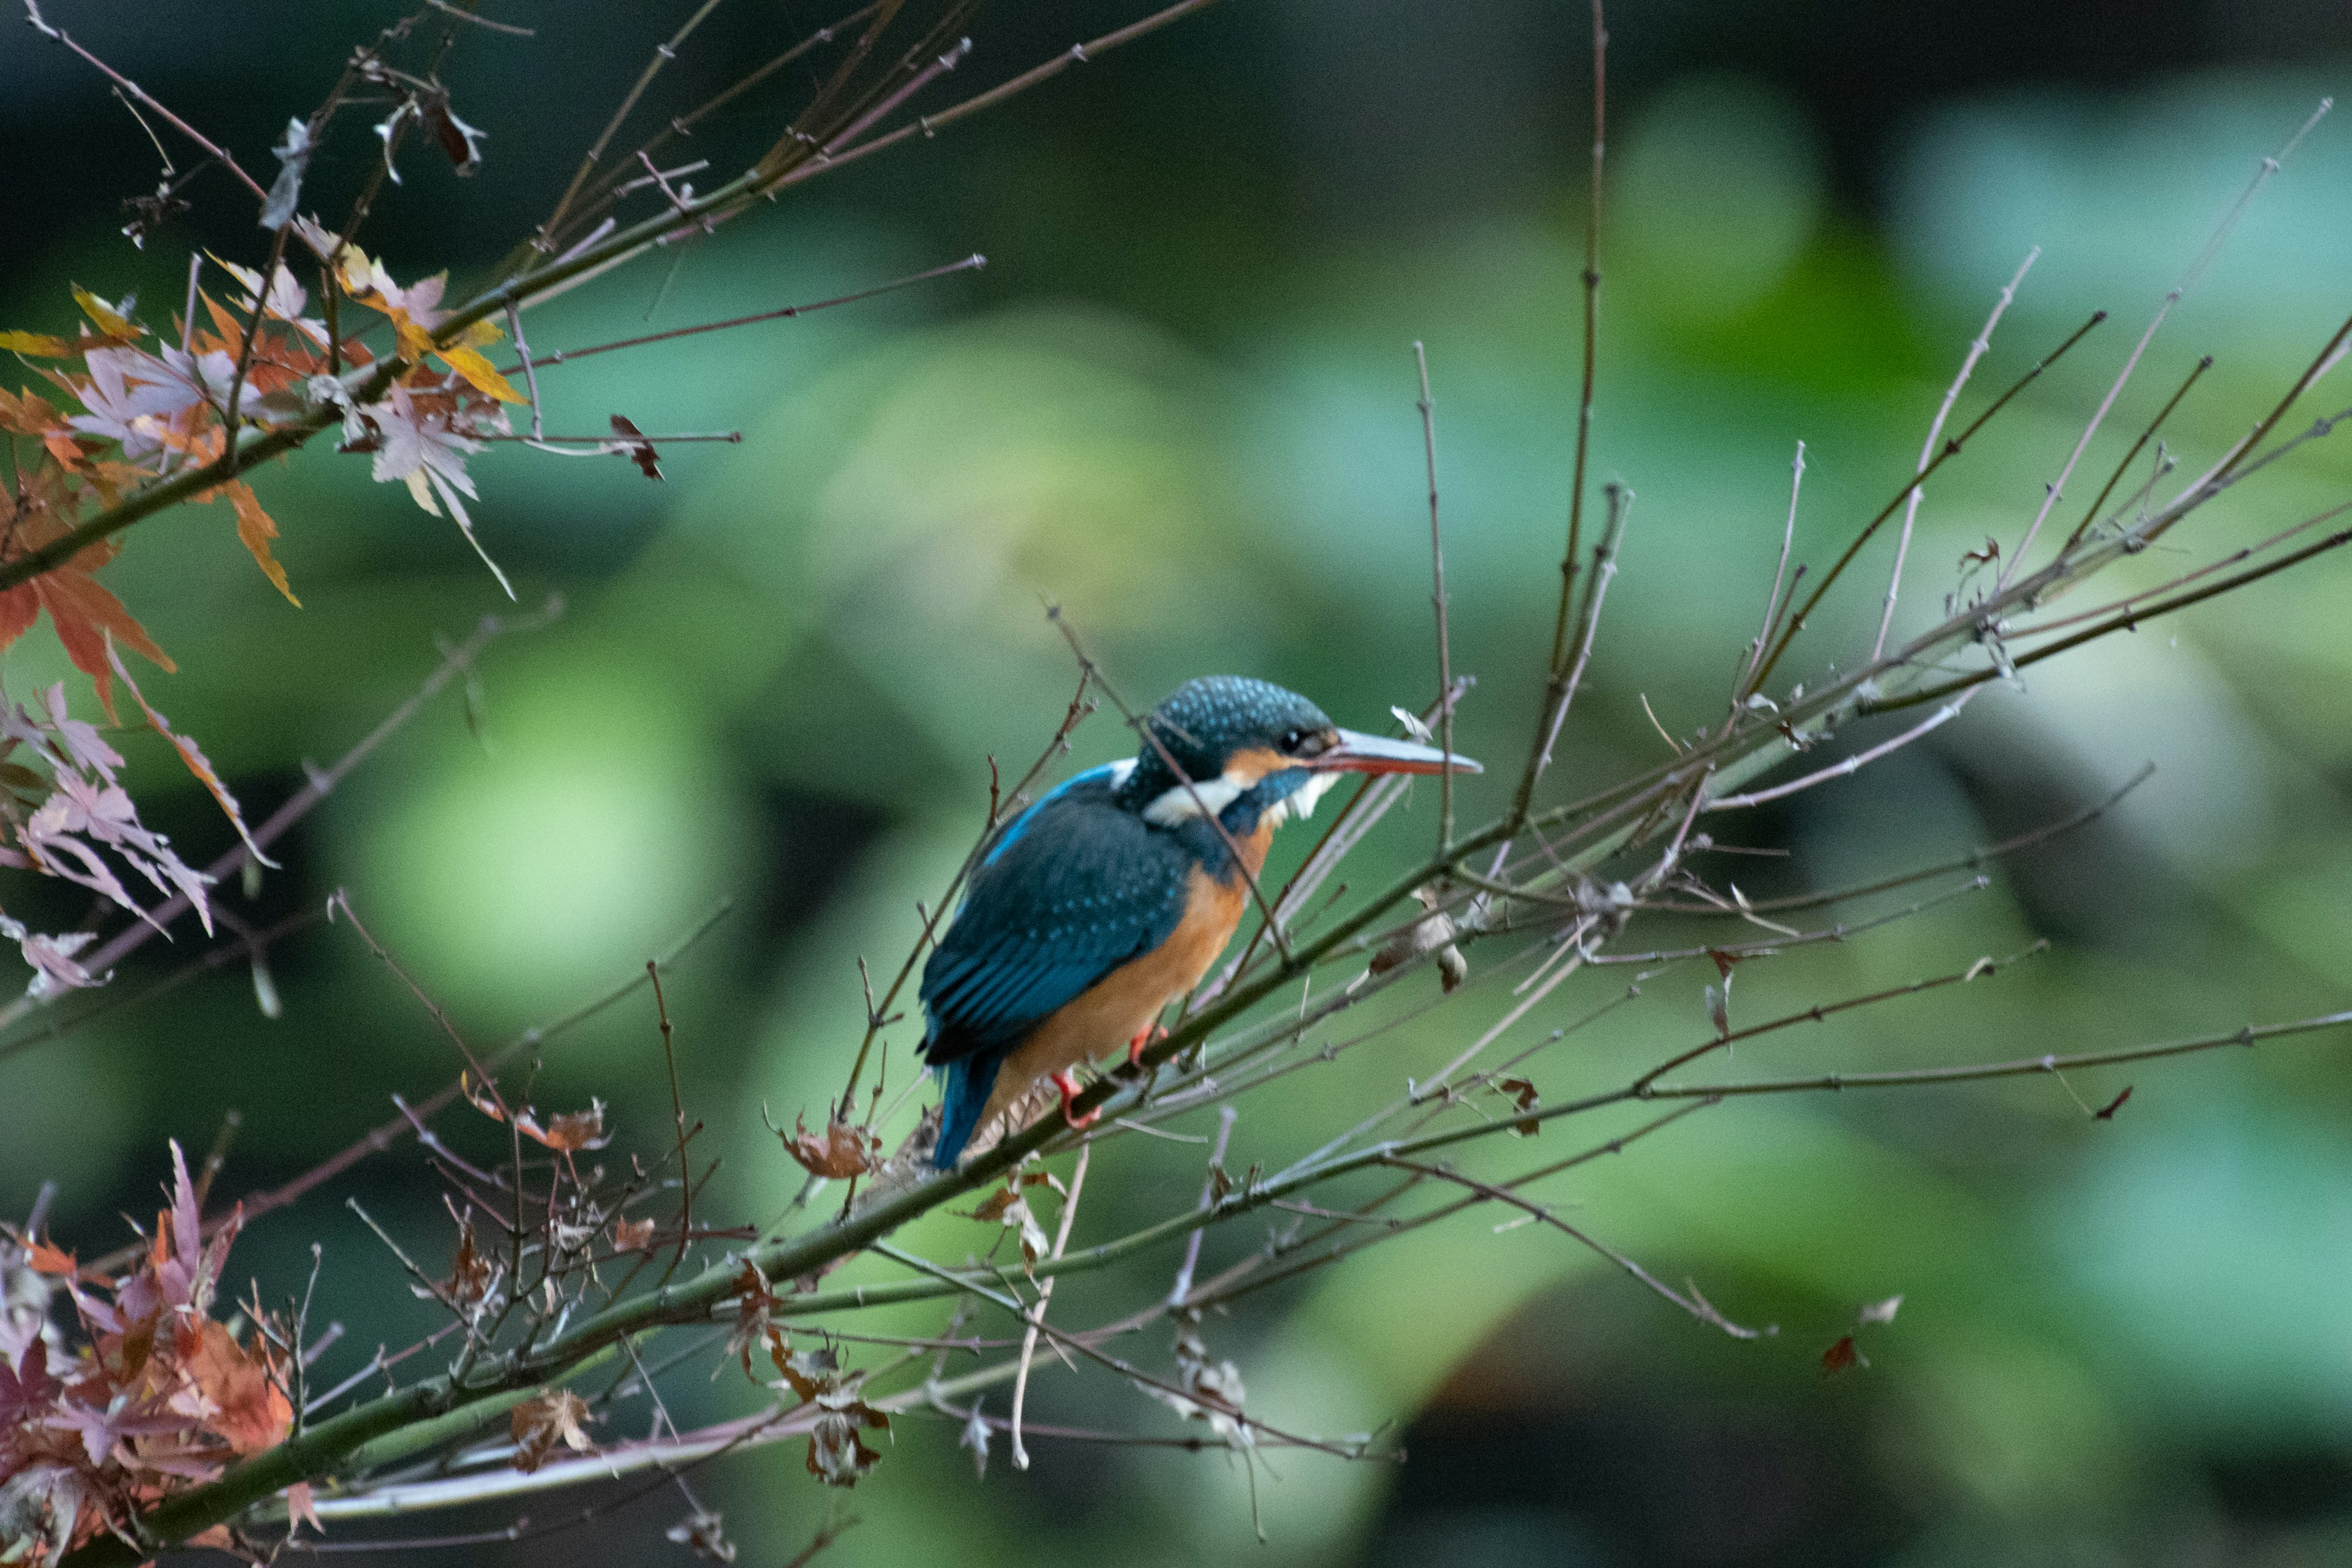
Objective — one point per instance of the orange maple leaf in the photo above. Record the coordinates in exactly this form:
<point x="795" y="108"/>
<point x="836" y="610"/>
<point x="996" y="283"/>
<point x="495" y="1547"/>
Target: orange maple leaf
<point x="255" y="530"/>
<point x="82" y="612"/>
<point x="49" y="1259"/>
<point x="250" y="1411"/>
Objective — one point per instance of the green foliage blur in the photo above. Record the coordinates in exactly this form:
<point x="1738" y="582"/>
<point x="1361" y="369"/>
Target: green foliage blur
<point x="1179" y="402"/>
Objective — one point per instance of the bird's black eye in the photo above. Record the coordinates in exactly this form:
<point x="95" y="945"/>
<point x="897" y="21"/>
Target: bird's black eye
<point x="1293" y="739"/>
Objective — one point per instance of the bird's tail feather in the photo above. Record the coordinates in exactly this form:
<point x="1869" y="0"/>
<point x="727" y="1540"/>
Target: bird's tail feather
<point x="966" y="1083"/>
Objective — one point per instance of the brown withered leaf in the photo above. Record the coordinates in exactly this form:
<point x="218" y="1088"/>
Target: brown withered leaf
<point x="846" y="1148"/>
<point x="704" y="1533"/>
<point x="1841" y="1355"/>
<point x="2107" y="1111"/>
<point x="640" y="450"/>
<point x="544" y="1420"/>
<point x="755" y="1324"/>
<point x="632" y="1235"/>
<point x="570" y="1133"/>
<point x="472" y="1274"/>
<point x="1725" y="961"/>
<point x="1522" y="1093"/>
<point x="837" y="1455"/>
<point x="249" y="1412"/>
<point x="255" y="530"/>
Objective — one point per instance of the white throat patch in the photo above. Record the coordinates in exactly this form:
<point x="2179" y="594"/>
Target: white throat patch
<point x="1185" y="802"/>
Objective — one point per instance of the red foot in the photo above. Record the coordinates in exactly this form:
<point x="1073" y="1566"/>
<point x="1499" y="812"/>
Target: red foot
<point x="1070" y="1091"/>
<point x="1143" y="1037"/>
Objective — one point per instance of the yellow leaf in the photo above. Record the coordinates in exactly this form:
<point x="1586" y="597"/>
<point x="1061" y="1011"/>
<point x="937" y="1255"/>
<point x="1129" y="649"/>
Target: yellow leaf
<point x="415" y="341"/>
<point x="357" y="272"/>
<point x="40" y="345"/>
<point x="254" y="531"/>
<point x="480" y="372"/>
<point x="482" y="334"/>
<point x="104" y="314"/>
<point x="244" y="275"/>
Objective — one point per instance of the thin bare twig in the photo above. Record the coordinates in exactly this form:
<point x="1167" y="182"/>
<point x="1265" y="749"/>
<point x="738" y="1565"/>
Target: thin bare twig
<point x="1428" y="406"/>
<point x="1978" y="349"/>
<point x="1045" y="1295"/>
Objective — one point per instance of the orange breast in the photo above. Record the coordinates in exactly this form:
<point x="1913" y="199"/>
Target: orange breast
<point x="1130" y="998"/>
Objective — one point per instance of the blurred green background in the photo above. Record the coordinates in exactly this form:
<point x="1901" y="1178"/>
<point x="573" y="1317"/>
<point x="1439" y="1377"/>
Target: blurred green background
<point x="1179" y="401"/>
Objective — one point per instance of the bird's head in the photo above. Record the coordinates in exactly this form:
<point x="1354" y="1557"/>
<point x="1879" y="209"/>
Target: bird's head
<point x="1224" y="741"/>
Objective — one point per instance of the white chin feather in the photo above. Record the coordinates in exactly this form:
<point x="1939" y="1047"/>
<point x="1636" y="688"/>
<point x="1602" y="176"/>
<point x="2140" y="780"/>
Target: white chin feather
<point x="1300" y="804"/>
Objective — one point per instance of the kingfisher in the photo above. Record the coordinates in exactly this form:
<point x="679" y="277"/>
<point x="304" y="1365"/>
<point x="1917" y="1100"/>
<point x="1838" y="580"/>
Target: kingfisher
<point x="1110" y="896"/>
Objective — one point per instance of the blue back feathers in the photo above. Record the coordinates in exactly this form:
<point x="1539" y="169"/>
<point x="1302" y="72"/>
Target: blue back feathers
<point x="1081" y="884"/>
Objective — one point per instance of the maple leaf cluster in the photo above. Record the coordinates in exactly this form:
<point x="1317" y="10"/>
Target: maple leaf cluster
<point x="137" y="407"/>
<point x="62" y="801"/>
<point x="157" y="1394"/>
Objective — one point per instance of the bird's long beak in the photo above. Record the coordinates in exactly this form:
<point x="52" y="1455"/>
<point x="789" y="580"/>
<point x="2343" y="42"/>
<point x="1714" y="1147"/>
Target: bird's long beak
<point x="1358" y="753"/>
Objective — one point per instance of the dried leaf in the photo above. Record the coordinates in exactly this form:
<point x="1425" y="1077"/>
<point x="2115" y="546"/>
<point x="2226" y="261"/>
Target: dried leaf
<point x="2107" y="1111"/>
<point x="1522" y="1093"/>
<point x="640" y="450"/>
<point x="704" y="1533"/>
<point x="632" y="1235"/>
<point x="27" y="412"/>
<point x="1718" y="1007"/>
<point x="249" y="1412"/>
<point x="846" y="1150"/>
<point x="1841" y="1355"/>
<point x="1880" y="1311"/>
<point x="461" y="141"/>
<point x="255" y="530"/>
<point x="474" y="1275"/>
<point x="541" y="1421"/>
<point x="568" y="1133"/>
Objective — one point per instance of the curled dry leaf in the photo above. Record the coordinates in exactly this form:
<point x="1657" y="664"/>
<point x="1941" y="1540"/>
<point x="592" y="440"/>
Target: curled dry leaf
<point x="837" y="1454"/>
<point x="248" y="1409"/>
<point x="632" y="1235"/>
<point x="755" y="1321"/>
<point x="704" y="1533"/>
<point x="568" y="1133"/>
<point x="1841" y="1355"/>
<point x="1522" y="1093"/>
<point x="544" y="1420"/>
<point x="846" y="1148"/>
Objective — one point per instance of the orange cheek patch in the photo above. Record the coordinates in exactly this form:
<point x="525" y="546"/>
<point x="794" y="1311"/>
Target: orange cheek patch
<point x="1246" y="767"/>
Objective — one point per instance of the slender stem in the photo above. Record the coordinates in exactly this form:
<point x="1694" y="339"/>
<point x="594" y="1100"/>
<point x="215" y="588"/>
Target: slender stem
<point x="1428" y="407"/>
<point x="1555" y="690"/>
<point x="1978" y="349"/>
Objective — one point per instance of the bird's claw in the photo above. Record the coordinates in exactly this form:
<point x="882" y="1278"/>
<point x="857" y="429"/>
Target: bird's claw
<point x="1070" y="1092"/>
<point x="1143" y="1036"/>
